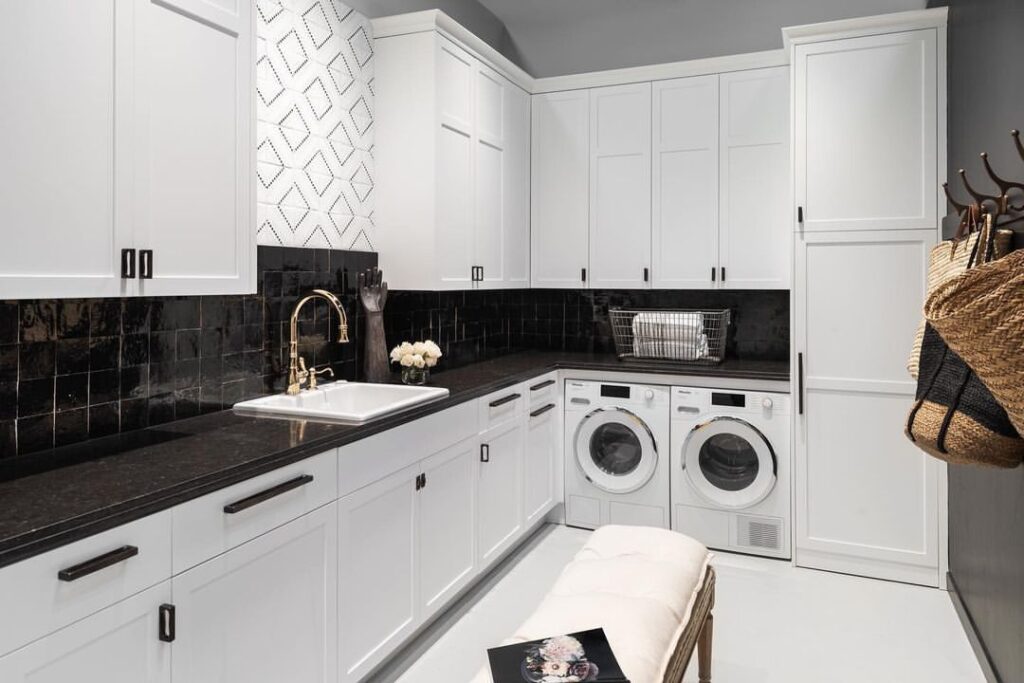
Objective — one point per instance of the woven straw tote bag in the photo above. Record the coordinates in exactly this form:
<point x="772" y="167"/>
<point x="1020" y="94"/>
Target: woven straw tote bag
<point x="948" y="259"/>
<point x="980" y="314"/>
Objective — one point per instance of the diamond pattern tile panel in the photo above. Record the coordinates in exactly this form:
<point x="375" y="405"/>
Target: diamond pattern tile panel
<point x="314" y="157"/>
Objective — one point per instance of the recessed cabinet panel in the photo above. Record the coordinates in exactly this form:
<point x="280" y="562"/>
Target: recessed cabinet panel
<point x="193" y="113"/>
<point x="754" y="242"/>
<point x="377" y="571"/>
<point x="447" y="522"/>
<point x="866" y="123"/>
<point x="455" y="70"/>
<point x="60" y="203"/>
<point x="560" y="194"/>
<point x="264" y="612"/>
<point x="455" y="208"/>
<point x="490" y="165"/>
<point x="685" y="182"/>
<point x="543" y="439"/>
<point x="620" y="186"/>
<point x="116" y="645"/>
<point x="516" y="190"/>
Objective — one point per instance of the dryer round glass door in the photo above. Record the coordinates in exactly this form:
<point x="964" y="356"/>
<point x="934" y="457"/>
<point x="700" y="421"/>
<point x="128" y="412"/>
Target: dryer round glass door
<point x="615" y="450"/>
<point x="729" y="463"/>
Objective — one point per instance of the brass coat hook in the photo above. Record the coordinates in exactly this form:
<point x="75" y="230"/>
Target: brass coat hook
<point x="1005" y="187"/>
<point x="960" y="208"/>
<point x="978" y="197"/>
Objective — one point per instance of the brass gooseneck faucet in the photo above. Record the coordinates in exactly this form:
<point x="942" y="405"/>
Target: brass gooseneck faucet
<point x="297" y="372"/>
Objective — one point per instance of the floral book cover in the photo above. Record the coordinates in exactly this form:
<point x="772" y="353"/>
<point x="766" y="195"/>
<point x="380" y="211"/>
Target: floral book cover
<point x="583" y="656"/>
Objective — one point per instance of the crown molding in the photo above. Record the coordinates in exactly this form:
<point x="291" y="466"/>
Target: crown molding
<point x="864" y="26"/>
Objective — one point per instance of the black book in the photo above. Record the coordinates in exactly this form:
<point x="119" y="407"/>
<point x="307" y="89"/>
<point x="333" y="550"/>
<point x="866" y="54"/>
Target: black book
<point x="583" y="656"/>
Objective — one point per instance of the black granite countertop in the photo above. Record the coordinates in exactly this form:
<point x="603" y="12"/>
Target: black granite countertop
<point x="119" y="479"/>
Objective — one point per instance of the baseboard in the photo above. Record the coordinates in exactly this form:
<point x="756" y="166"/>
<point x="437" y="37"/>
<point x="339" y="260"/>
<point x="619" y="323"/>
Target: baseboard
<point x="977" y="644"/>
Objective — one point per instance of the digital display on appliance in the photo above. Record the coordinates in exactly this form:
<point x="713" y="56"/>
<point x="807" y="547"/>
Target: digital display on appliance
<point x="730" y="400"/>
<point x="612" y="391"/>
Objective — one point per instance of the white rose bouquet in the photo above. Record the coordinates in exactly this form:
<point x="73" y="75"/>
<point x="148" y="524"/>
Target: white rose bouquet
<point x="416" y="360"/>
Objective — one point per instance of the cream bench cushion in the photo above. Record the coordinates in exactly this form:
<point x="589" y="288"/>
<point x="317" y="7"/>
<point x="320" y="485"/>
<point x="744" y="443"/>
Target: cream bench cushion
<point x="638" y="583"/>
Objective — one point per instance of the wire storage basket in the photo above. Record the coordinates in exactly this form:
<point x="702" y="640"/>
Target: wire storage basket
<point x="681" y="335"/>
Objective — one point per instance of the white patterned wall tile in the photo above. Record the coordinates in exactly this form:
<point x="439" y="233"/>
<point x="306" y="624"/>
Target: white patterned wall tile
<point x="314" y="75"/>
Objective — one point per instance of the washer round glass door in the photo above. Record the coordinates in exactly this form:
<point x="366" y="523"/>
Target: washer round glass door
<point x="729" y="462"/>
<point x="616" y="450"/>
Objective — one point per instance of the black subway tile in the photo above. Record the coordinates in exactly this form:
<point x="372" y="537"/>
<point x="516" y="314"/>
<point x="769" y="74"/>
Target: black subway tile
<point x="35" y="433"/>
<point x="72" y="391"/>
<point x="71" y="426"/>
<point x="72" y="356"/>
<point x="38" y="321"/>
<point x="104" y="420"/>
<point x="35" y="397"/>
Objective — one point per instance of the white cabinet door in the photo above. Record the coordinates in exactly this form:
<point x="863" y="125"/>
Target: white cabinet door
<point x="116" y="645"/>
<point x="866" y="497"/>
<point x="377" y="571"/>
<point x="865" y="123"/>
<point x="447" y="524"/>
<point x="685" y="183"/>
<point x="516" y="198"/>
<point x="543" y="441"/>
<point x="456" y="209"/>
<point x="560" y="194"/>
<point x="62" y="207"/>
<point x="264" y="612"/>
<point x="754" y="235"/>
<point x="620" y="186"/>
<point x="500" y="489"/>
<point x="491" y="154"/>
<point x="193" y="146"/>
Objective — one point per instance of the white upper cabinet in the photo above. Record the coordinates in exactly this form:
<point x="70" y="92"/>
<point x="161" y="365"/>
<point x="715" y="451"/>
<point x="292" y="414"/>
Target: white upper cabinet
<point x="452" y="159"/>
<point x="754" y="173"/>
<point x="560" y="195"/>
<point x="194" y="145"/>
<point x="866" y="142"/>
<point x="684" y="235"/>
<point x="620" y="186"/>
<point x="147" y="109"/>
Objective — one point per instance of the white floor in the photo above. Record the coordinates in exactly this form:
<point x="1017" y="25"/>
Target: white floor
<point x="773" y="623"/>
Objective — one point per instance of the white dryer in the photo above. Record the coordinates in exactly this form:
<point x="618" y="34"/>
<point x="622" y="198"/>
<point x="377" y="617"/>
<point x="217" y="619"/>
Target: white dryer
<point x="616" y="446"/>
<point x="731" y="469"/>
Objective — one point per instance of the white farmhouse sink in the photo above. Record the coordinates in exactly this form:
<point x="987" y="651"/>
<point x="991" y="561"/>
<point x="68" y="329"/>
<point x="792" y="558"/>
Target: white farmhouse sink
<point x="344" y="401"/>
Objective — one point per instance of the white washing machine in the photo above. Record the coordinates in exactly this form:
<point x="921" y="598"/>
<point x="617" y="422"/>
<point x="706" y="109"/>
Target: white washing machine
<point x="731" y="469"/>
<point x="616" y="446"/>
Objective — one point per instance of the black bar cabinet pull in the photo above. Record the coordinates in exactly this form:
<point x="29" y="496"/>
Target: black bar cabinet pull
<point x="97" y="563"/>
<point x="419" y="481"/>
<point x="541" y="385"/>
<point x="273" y="492"/>
<point x="127" y="264"/>
<point x="423" y="485"/>
<point x="723" y="273"/>
<point x="503" y="400"/>
<point x="541" y="411"/>
<point x="583" y="274"/>
<point x="713" y="270"/>
<point x="800" y="215"/>
<point x="168" y="624"/>
<point x="647" y="273"/>
<point x="800" y="382"/>
<point x="146" y="264"/>
<point x="485" y="452"/>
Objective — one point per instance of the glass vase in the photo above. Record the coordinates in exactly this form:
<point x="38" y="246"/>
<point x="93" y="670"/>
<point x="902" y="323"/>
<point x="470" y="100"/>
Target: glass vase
<point x="415" y="376"/>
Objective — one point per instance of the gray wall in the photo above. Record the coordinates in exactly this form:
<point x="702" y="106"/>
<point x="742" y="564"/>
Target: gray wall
<point x="986" y="507"/>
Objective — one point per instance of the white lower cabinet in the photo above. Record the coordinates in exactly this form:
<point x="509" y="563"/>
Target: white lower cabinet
<point x="115" y="645"/>
<point x="500" y="487"/>
<point x="264" y="612"/>
<point x="543" y="438"/>
<point x="377" y="571"/>
<point x="447" y="522"/>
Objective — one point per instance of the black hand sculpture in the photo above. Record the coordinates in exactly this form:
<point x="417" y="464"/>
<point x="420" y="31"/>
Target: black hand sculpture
<point x="373" y="293"/>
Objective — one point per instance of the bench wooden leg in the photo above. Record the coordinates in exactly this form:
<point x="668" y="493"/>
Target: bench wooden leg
<point x="704" y="650"/>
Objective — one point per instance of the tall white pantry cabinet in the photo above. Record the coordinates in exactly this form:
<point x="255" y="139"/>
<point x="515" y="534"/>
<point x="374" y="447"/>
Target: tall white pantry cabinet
<point x="869" y="142"/>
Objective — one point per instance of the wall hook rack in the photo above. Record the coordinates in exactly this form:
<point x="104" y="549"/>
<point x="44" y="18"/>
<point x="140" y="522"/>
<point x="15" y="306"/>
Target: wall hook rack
<point x="1001" y="203"/>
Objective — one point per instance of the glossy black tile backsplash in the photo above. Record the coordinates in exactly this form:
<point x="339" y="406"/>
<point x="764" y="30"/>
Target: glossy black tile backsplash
<point x="76" y="369"/>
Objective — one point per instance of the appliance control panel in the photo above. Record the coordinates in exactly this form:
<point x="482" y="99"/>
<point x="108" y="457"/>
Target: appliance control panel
<point x="688" y="402"/>
<point x="580" y="394"/>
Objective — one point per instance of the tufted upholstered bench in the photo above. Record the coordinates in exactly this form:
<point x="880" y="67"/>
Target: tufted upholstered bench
<point x="652" y="590"/>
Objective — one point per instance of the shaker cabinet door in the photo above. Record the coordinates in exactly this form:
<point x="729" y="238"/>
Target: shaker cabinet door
<point x="499" y="489"/>
<point x="194" y="146"/>
<point x="866" y="112"/>
<point x="560" y="190"/>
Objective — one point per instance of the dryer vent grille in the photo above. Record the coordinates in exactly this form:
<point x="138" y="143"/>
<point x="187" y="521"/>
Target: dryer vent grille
<point x="759" y="532"/>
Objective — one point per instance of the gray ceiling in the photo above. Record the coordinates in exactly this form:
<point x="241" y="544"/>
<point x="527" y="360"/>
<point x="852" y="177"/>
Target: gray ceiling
<point x="555" y="37"/>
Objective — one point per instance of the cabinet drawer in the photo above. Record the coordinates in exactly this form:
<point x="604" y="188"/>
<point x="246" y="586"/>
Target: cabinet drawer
<point x="50" y="591"/>
<point x="215" y="523"/>
<point x="502" y="406"/>
<point x="543" y="390"/>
